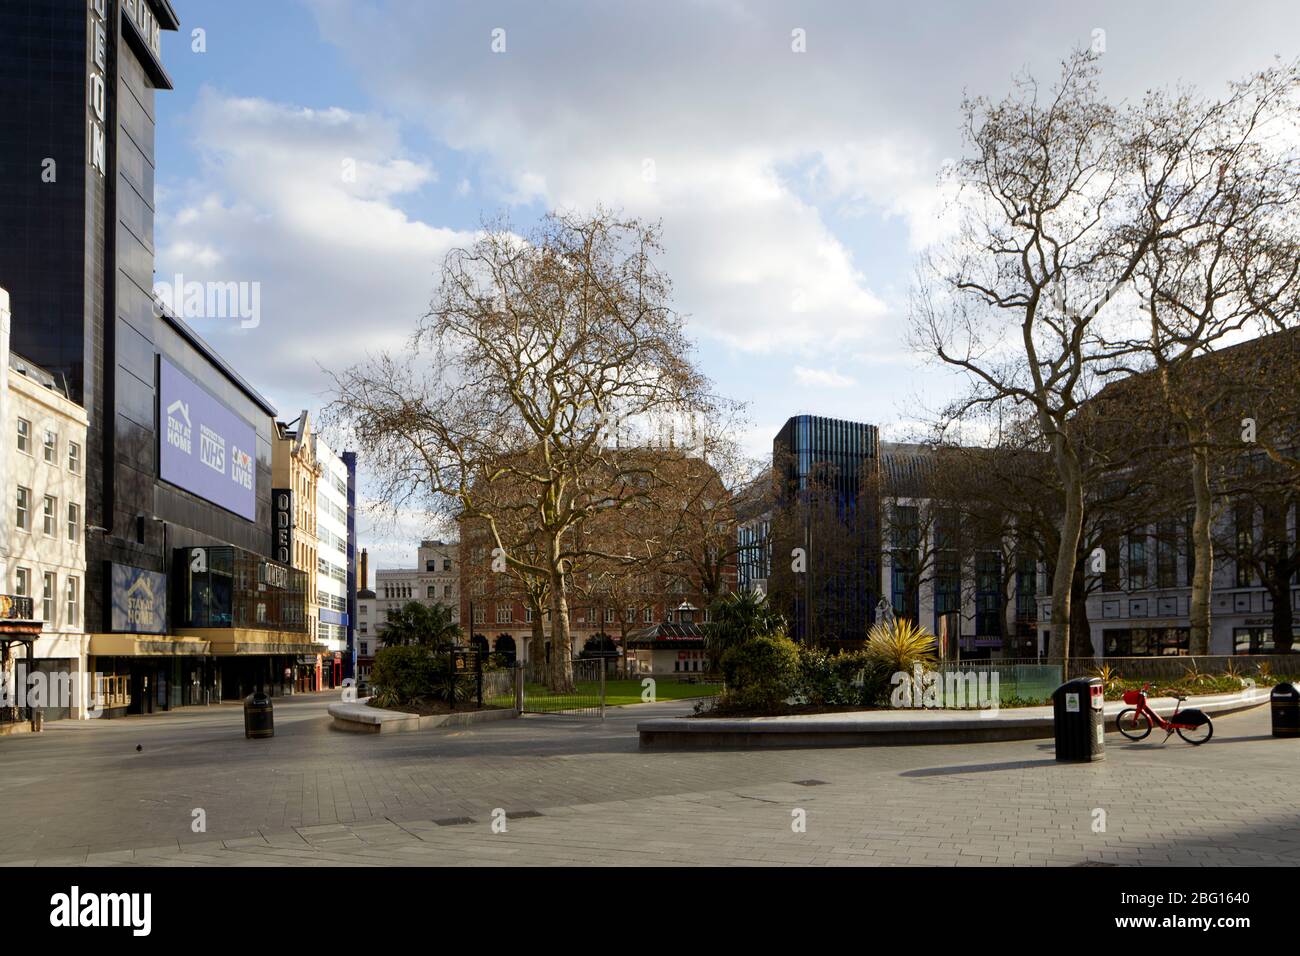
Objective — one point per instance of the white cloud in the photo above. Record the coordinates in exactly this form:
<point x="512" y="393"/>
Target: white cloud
<point x="822" y="378"/>
<point x="304" y="202"/>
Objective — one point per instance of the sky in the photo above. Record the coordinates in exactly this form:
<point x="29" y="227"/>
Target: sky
<point x="331" y="152"/>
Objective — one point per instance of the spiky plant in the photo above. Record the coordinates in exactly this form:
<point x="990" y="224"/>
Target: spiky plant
<point x="1108" y="676"/>
<point x="1193" y="676"/>
<point x="897" y="645"/>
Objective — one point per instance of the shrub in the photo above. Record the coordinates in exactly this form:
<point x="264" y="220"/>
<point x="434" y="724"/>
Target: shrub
<point x="401" y="673"/>
<point x="836" y="680"/>
<point x="408" y="673"/>
<point x="736" y="618"/>
<point x="761" y="673"/>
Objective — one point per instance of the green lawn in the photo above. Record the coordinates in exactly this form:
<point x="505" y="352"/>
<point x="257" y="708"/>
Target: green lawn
<point x="617" y="693"/>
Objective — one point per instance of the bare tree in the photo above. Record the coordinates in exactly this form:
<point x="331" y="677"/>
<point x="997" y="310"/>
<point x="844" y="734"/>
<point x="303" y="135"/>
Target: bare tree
<point x="538" y="355"/>
<point x="1227" y="185"/>
<point x="1043" y="244"/>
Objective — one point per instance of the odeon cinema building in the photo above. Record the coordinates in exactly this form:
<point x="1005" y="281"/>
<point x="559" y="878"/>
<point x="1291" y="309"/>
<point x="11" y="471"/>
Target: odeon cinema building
<point x="183" y="602"/>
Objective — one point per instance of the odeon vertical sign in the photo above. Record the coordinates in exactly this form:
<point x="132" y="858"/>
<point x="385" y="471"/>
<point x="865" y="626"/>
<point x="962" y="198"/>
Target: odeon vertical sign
<point x="97" y="87"/>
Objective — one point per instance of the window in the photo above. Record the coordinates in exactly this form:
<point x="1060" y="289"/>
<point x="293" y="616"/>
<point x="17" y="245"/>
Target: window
<point x="365" y="648"/>
<point x="446" y="590"/>
<point x="988" y="594"/>
<point x="648" y="615"/>
<point x="74" y="521"/>
<point x="22" y="582"/>
<point x="431" y="591"/>
<point x="1110" y="577"/>
<point x="1167" y="554"/>
<point x="479" y="615"/>
<point x="24" y="517"/>
<point x="74" y="600"/>
<point x="609" y="615"/>
<point x="74" y="458"/>
<point x="1137" y="561"/>
<point x="1026" y="604"/>
<point x="446" y="564"/>
<point x="947" y="582"/>
<point x="528" y="615"/>
<point x="50" y="516"/>
<point x="24" y="436"/>
<point x="1244" y="523"/>
<point x="47" y="598"/>
<point x="504" y="613"/>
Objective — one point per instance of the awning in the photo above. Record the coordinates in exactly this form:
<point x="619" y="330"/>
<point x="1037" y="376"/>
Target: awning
<point x="679" y="637"/>
<point x="147" y="645"/>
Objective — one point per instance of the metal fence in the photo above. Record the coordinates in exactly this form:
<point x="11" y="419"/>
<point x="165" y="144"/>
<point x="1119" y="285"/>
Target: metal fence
<point x="586" y="700"/>
<point x="1016" y="681"/>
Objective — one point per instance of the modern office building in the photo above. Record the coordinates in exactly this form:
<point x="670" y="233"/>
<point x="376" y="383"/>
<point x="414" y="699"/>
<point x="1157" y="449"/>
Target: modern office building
<point x="754" y="507"/>
<point x="1140" y="604"/>
<point x="182" y="597"/>
<point x="978" y="594"/>
<point x="825" y="528"/>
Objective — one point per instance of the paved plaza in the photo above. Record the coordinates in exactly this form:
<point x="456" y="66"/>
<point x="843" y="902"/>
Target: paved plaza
<point x="125" y="792"/>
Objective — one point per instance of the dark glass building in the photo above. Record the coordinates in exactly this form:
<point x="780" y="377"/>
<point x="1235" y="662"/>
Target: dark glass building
<point x="826" y="528"/>
<point x="179" y="445"/>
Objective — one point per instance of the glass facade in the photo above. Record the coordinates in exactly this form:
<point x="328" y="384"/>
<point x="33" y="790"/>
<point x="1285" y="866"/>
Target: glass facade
<point x="828" y="506"/>
<point x="229" y="587"/>
<point x="1147" y="641"/>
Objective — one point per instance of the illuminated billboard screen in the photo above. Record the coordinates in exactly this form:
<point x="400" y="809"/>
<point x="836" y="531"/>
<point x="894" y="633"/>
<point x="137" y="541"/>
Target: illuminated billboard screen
<point x="204" y="447"/>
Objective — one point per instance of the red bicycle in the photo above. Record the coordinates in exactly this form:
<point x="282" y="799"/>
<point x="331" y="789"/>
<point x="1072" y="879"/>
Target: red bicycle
<point x="1136" y="722"/>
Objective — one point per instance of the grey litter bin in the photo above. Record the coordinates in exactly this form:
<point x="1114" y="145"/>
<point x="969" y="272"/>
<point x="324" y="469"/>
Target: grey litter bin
<point x="1078" y="719"/>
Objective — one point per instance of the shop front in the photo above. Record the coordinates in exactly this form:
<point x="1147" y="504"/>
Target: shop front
<point x="238" y="624"/>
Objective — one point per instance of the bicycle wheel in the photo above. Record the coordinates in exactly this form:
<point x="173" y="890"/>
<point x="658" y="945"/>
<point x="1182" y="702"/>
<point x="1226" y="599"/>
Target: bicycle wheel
<point x="1133" y="724"/>
<point x="1199" y="735"/>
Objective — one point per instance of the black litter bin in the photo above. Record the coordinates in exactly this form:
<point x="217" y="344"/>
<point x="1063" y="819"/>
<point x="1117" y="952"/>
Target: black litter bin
<point x="1079" y="719"/>
<point x="259" y="720"/>
<point x="1285" y="704"/>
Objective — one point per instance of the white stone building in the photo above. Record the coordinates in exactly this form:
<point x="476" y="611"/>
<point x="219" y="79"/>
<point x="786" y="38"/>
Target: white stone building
<point x="331" y="559"/>
<point x="42" y="532"/>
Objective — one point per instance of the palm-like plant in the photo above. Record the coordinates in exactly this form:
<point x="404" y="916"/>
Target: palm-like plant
<point x="422" y="624"/>
<point x="736" y="618"/>
<point x="898" y="645"/>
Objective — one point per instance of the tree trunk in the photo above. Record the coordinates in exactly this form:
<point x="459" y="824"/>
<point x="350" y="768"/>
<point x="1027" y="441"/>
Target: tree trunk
<point x="560" y="673"/>
<point x="1283" y="621"/>
<point x="537" y="653"/>
<point x="1203" y="546"/>
<point x="1080" y="627"/>
<point x="1067" y="552"/>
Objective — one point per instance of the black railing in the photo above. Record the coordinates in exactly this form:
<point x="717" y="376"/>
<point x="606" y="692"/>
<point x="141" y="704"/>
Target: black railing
<point x="15" y="607"/>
